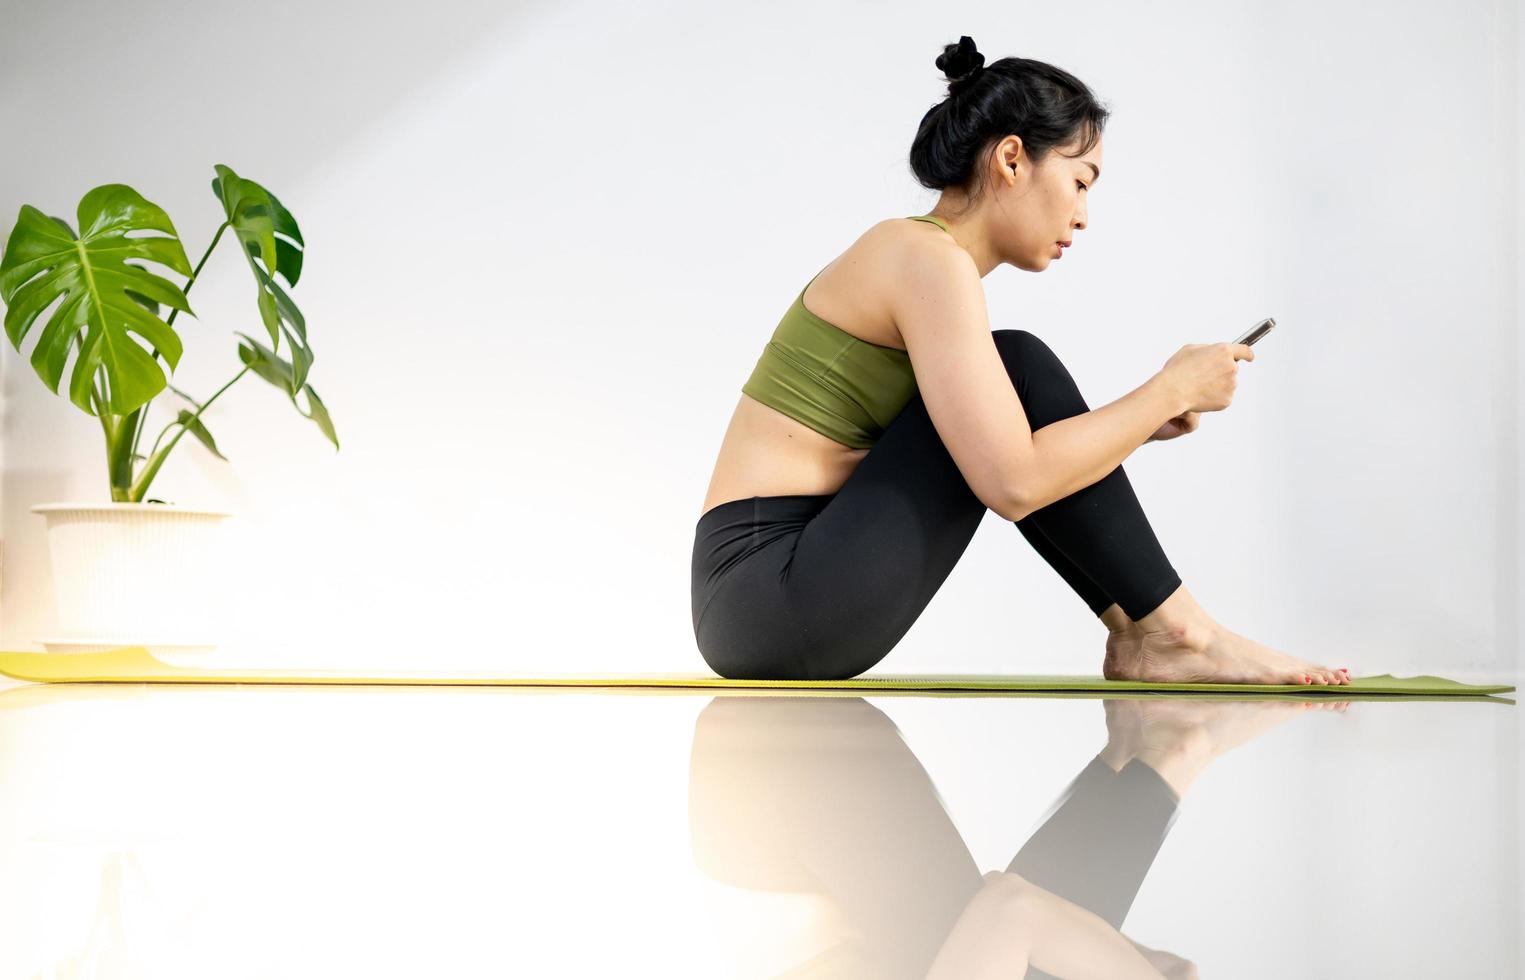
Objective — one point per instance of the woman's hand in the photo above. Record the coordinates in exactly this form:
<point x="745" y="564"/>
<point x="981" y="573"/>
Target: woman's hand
<point x="1178" y="426"/>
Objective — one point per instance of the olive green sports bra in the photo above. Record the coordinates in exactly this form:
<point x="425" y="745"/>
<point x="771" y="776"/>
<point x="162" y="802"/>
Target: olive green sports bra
<point x="842" y="386"/>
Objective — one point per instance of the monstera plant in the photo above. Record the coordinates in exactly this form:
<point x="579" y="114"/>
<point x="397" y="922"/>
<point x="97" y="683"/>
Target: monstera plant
<point x="105" y="303"/>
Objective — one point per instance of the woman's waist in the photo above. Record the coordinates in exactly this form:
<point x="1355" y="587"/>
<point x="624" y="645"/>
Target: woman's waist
<point x="764" y="429"/>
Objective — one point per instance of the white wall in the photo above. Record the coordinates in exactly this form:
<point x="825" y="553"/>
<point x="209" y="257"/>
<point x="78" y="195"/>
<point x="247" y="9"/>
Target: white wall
<point x="546" y="243"/>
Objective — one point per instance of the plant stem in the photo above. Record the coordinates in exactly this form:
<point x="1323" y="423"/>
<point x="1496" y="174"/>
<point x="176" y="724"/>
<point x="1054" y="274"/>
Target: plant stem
<point x="98" y="400"/>
<point x="152" y="464"/>
<point x="139" y="417"/>
<point x="195" y="415"/>
<point x="197" y="271"/>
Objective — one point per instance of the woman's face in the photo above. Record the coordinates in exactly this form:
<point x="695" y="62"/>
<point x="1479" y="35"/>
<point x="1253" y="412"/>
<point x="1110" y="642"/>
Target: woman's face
<point x="1044" y="205"/>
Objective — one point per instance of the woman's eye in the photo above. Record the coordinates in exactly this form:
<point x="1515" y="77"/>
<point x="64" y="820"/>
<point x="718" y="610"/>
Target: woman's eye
<point x="1080" y="184"/>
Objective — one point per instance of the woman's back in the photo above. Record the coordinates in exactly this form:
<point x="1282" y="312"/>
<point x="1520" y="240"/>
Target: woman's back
<point x="834" y="373"/>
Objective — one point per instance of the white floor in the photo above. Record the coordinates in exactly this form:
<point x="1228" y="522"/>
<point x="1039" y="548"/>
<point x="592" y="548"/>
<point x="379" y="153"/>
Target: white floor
<point x="317" y="832"/>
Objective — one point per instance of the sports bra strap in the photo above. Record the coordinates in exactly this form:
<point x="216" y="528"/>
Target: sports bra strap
<point x="932" y="218"/>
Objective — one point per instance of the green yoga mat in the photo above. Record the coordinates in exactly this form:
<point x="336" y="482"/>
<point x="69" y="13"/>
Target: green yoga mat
<point x="138" y="665"/>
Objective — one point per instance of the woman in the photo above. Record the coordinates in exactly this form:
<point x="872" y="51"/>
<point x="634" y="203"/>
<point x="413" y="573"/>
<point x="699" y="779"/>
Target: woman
<point x="885" y="417"/>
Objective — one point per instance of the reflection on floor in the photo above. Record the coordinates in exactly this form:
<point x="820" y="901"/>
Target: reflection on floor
<point x="229" y="832"/>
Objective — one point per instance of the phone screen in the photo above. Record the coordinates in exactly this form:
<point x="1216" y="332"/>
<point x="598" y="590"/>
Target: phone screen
<point x="1257" y="331"/>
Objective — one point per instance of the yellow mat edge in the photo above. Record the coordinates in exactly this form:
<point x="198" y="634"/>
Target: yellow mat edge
<point x="138" y="665"/>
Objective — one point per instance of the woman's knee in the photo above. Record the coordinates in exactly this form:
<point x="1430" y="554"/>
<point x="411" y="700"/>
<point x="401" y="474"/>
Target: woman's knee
<point x="1024" y="347"/>
<point x="1045" y="386"/>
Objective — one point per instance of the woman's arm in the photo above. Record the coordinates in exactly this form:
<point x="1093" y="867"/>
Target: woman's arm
<point x="1075" y="943"/>
<point x="1073" y="453"/>
<point x="1011" y="924"/>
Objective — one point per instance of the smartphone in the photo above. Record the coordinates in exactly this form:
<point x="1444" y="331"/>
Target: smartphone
<point x="1257" y="331"/>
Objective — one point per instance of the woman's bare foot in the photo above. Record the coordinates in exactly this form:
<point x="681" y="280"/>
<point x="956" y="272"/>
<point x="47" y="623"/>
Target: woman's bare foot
<point x="1125" y="735"/>
<point x="1122" y="649"/>
<point x="1207" y="652"/>
<point x="1212" y="727"/>
<point x="1180" y="736"/>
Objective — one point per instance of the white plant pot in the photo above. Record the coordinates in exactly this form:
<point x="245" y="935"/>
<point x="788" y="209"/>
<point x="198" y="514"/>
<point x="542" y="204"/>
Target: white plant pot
<point x="136" y="574"/>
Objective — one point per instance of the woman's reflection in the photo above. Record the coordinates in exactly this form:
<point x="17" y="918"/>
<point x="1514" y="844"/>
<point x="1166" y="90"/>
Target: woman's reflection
<point x="821" y="795"/>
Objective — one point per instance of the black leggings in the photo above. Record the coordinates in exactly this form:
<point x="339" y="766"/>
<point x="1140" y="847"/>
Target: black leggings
<point x="822" y="586"/>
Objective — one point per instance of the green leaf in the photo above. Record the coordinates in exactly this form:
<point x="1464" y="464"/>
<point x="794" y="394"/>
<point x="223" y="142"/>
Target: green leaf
<point x="282" y="311"/>
<point x="142" y="301"/>
<point x="319" y="414"/>
<point x="256" y="217"/>
<point x="197" y="429"/>
<point x="102" y="299"/>
<point x="188" y="398"/>
<point x="268" y="365"/>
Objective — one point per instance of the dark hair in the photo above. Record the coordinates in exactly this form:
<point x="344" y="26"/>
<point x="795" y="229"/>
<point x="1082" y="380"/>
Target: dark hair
<point x="1044" y="105"/>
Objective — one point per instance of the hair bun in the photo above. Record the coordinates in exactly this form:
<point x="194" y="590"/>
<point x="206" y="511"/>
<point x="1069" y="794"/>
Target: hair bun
<point x="960" y="62"/>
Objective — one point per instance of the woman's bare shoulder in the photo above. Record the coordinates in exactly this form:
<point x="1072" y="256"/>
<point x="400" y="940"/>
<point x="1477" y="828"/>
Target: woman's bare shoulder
<point x="889" y="258"/>
<point x="896" y="241"/>
<point x="883" y="246"/>
<point x="901" y="251"/>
